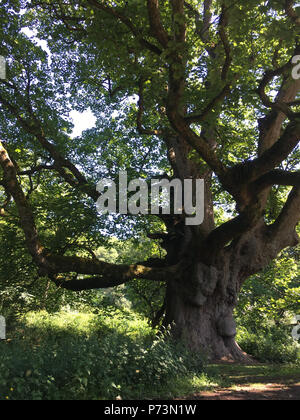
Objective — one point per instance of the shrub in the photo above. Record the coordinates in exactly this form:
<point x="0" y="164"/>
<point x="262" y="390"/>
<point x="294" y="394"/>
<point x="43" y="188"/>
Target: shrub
<point x="64" y="357"/>
<point x="271" y="345"/>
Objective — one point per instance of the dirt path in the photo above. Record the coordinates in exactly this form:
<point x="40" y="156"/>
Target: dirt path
<point x="274" y="391"/>
<point x="261" y="382"/>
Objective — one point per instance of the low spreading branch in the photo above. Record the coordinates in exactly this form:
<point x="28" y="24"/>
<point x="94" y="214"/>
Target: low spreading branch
<point x="52" y="264"/>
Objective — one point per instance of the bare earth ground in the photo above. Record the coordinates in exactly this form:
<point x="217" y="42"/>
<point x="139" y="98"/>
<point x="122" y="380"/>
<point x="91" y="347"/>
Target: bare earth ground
<point x="253" y="383"/>
<point x="273" y="391"/>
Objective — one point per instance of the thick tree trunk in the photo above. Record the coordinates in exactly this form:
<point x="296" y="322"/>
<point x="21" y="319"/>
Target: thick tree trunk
<point x="200" y="305"/>
<point x="199" y="310"/>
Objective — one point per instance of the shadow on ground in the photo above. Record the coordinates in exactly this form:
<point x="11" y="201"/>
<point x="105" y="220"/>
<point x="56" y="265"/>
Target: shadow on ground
<point x="261" y="382"/>
<point x="267" y="392"/>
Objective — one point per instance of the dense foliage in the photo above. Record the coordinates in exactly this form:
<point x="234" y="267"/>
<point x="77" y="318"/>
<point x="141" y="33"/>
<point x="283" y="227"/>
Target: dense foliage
<point x="85" y="356"/>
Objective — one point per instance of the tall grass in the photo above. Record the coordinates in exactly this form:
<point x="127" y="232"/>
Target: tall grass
<point x="79" y="356"/>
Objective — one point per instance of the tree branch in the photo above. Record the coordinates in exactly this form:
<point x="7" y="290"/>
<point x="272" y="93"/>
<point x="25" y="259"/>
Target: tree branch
<point x="179" y="24"/>
<point x="203" y="29"/>
<point x="207" y="15"/>
<point x="33" y="127"/>
<point x="52" y="264"/>
<point x="283" y="231"/>
<point x="250" y="171"/>
<point x="278" y="177"/>
<point x="140" y="113"/>
<point x="156" y="25"/>
<point x="27" y="222"/>
<point x="278" y="105"/>
<point x="197" y="118"/>
<point x="4" y="206"/>
<point x="36" y="169"/>
<point x="289" y="9"/>
<point x="110" y="273"/>
<point x="225" y="41"/>
<point x="126" y="21"/>
<point x="271" y="125"/>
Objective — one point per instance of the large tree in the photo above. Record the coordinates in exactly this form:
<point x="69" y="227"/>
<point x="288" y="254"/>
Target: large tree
<point x="199" y="89"/>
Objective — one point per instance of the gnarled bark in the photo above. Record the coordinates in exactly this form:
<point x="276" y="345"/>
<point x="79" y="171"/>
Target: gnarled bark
<point x="200" y="311"/>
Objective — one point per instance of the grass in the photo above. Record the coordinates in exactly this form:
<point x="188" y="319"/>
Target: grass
<point x="109" y="355"/>
<point x="230" y="375"/>
<point x="91" y="356"/>
<point x="216" y="376"/>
